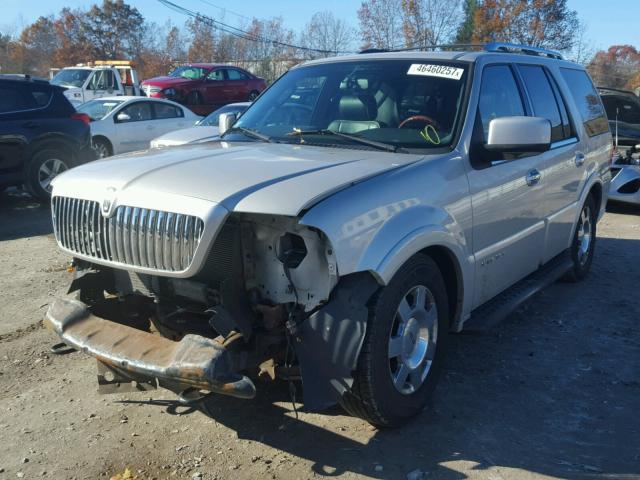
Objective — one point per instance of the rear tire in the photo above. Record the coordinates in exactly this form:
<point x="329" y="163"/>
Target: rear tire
<point x="253" y="95"/>
<point x="403" y="348"/>
<point x="43" y="167"/>
<point x="584" y="242"/>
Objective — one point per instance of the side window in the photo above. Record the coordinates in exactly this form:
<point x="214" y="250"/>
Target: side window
<point x="499" y="96"/>
<point x="102" y="80"/>
<point x="11" y="100"/>
<point x="41" y="97"/>
<point x="166" y="110"/>
<point x="217" y="75"/>
<point x="236" y="75"/>
<point x="138" y="112"/>
<point x="543" y="99"/>
<point x="587" y="100"/>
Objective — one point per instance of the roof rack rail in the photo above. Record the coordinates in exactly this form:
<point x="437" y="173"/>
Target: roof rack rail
<point x="22" y="76"/>
<point x="526" y="49"/>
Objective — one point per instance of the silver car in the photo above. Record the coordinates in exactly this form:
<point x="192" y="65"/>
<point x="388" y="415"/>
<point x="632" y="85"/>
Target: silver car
<point x="359" y="212"/>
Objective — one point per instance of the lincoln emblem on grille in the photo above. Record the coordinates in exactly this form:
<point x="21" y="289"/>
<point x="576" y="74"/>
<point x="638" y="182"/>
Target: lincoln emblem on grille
<point x="108" y="202"/>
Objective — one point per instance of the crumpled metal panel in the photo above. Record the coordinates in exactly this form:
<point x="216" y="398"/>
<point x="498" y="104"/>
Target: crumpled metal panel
<point x="195" y="361"/>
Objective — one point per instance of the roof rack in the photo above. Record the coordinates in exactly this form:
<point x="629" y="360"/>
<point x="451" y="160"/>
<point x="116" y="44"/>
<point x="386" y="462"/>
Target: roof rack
<point x="487" y="47"/>
<point x="22" y="76"/>
<point x="526" y="49"/>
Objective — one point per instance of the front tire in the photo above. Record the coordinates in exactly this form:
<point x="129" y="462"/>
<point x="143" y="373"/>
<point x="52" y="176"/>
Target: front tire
<point x="403" y="348"/>
<point x="43" y="167"/>
<point x="584" y="242"/>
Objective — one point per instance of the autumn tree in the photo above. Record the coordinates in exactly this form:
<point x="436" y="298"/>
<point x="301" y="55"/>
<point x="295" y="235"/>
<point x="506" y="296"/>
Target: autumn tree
<point x="539" y="23"/>
<point x="617" y="67"/>
<point x="202" y="47"/>
<point x="328" y="33"/>
<point x="37" y="46"/>
<point x="430" y="22"/>
<point x="381" y="23"/>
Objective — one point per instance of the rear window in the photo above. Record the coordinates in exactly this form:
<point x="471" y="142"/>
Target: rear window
<point x="587" y="100"/>
<point x="165" y="110"/>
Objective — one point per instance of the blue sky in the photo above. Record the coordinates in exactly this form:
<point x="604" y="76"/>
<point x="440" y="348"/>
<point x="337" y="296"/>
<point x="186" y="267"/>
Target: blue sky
<point x="613" y="22"/>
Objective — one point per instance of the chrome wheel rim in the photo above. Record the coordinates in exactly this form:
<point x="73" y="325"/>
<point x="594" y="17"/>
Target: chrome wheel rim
<point x="413" y="339"/>
<point x="584" y="235"/>
<point x="101" y="150"/>
<point x="49" y="170"/>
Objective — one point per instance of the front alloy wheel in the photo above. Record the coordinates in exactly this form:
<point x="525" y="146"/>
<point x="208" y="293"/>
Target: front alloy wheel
<point x="49" y="170"/>
<point x="403" y="347"/>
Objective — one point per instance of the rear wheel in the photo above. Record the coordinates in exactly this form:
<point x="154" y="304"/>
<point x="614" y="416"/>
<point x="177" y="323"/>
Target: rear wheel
<point x="253" y="95"/>
<point x="584" y="242"/>
<point x="403" y="348"/>
<point x="43" y="167"/>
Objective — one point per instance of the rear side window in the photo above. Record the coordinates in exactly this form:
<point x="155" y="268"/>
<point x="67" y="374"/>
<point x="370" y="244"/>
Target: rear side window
<point x="41" y="97"/>
<point x="499" y="96"/>
<point x="236" y="75"/>
<point x="587" y="100"/>
<point x="11" y="100"/>
<point x="543" y="99"/>
<point x="165" y="110"/>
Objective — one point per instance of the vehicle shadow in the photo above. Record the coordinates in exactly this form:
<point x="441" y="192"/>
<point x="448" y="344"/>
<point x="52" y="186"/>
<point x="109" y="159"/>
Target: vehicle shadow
<point x="21" y="216"/>
<point x="553" y="390"/>
<point x="623" y="208"/>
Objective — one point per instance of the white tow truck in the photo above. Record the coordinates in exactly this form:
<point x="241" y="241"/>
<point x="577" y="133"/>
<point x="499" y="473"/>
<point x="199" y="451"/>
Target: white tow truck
<point x="96" y="79"/>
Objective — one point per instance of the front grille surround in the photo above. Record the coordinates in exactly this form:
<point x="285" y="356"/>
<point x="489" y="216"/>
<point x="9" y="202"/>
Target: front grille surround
<point x="147" y="239"/>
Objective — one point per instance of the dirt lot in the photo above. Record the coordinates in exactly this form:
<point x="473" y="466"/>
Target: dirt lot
<point x="553" y="392"/>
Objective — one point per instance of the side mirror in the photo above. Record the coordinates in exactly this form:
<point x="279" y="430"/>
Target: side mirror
<point x="122" y="117"/>
<point x="519" y="135"/>
<point x="226" y="121"/>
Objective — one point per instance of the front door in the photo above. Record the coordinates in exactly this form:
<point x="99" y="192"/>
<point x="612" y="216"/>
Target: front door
<point x="134" y="132"/>
<point x="507" y="194"/>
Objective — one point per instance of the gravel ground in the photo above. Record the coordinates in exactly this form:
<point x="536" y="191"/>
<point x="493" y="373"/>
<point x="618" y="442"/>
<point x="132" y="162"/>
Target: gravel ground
<point x="552" y="392"/>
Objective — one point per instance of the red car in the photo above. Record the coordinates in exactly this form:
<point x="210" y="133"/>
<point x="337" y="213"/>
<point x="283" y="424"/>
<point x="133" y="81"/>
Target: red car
<point x="206" y="84"/>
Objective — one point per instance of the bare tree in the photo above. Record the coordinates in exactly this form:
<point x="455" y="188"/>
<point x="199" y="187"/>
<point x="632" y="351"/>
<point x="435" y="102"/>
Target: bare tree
<point x="381" y="23"/>
<point x="431" y="22"/>
<point x="328" y="33"/>
<point x="583" y="48"/>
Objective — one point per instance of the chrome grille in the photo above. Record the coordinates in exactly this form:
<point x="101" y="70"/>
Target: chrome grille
<point x="134" y="236"/>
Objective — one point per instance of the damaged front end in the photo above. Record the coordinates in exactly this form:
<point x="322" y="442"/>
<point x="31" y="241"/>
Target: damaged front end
<point x="265" y="302"/>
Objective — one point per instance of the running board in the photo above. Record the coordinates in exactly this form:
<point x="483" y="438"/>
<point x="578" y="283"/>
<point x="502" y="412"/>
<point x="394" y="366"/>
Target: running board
<point x="497" y="309"/>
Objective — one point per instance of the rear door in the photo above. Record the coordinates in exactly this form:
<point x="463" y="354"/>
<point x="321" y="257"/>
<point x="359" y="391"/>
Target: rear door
<point x="239" y="85"/>
<point x="167" y="118"/>
<point x="14" y="127"/>
<point x="215" y="87"/>
<point x="564" y="162"/>
<point x="507" y="202"/>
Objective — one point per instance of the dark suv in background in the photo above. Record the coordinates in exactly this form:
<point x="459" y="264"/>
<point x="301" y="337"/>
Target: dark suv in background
<point x="41" y="134"/>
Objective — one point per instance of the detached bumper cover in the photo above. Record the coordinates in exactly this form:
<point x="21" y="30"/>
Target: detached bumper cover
<point x="195" y="361"/>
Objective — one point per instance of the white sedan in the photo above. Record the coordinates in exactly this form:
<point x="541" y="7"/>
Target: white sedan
<point x="205" y="130"/>
<point x="124" y="124"/>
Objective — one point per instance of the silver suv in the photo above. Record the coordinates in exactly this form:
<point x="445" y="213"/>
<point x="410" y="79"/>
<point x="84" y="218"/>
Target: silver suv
<point x="361" y="210"/>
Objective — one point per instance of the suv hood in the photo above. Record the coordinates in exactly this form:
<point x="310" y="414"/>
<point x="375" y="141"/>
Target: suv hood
<point x="279" y="179"/>
<point x="185" y="135"/>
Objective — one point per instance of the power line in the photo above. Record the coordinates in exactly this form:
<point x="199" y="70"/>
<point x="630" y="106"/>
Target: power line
<point x="239" y="33"/>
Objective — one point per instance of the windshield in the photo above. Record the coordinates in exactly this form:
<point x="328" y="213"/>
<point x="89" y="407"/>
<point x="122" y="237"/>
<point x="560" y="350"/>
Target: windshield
<point x="407" y="104"/>
<point x="192" y="73"/>
<point x="70" y="77"/>
<point x="98" y="109"/>
<point x="211" y="120"/>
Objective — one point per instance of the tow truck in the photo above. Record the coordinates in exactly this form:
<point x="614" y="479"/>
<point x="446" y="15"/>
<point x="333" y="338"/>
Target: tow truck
<point x="96" y="79"/>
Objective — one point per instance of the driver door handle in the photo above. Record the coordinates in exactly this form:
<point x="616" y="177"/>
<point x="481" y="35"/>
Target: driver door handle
<point x="579" y="159"/>
<point x="533" y="177"/>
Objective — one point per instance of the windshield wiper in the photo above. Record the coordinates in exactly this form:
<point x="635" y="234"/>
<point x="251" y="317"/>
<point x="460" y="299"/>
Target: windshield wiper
<point x="365" y="141"/>
<point x="250" y="133"/>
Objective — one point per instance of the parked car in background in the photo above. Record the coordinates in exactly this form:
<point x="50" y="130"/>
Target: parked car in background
<point x="41" y="134"/>
<point x="98" y="79"/>
<point x="206" y="84"/>
<point x="623" y="111"/>
<point x="126" y="124"/>
<point x="205" y="129"/>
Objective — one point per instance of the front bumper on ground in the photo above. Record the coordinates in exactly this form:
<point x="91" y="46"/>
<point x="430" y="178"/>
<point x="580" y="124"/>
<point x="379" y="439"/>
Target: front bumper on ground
<point x="194" y="362"/>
